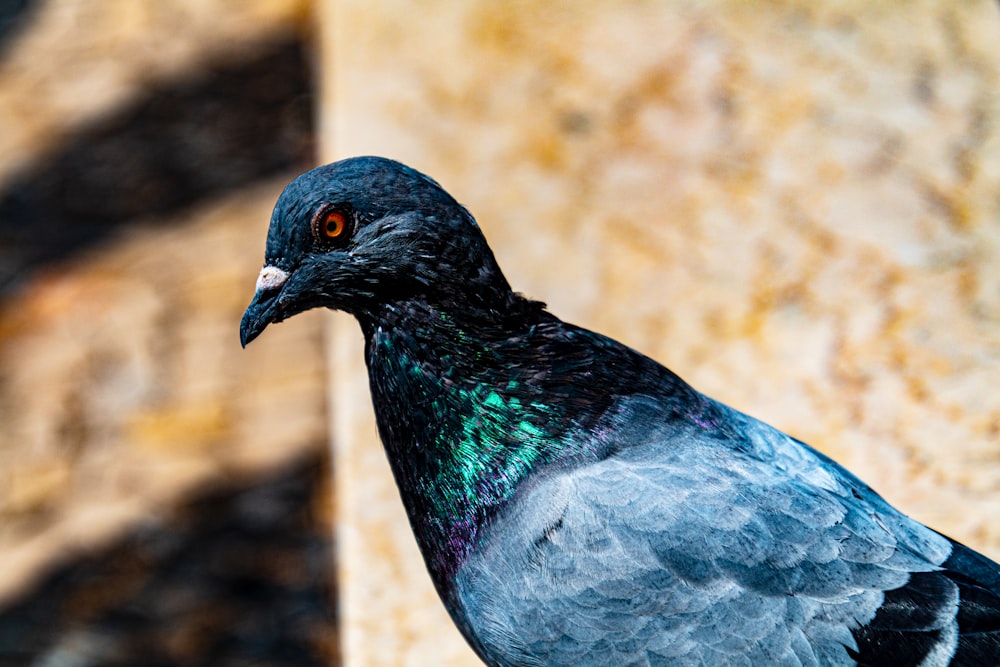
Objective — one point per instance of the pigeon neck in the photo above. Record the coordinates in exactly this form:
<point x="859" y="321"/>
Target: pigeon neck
<point x="460" y="417"/>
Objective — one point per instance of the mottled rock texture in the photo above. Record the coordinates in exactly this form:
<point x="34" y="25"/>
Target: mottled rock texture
<point x="794" y="205"/>
<point x="124" y="384"/>
<point x="235" y="575"/>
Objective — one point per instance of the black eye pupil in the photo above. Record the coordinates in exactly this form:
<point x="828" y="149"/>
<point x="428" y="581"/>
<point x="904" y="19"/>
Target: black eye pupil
<point x="334" y="225"/>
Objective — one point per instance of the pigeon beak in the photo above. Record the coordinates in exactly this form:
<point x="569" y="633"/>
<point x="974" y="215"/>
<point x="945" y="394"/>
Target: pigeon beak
<point x="264" y="306"/>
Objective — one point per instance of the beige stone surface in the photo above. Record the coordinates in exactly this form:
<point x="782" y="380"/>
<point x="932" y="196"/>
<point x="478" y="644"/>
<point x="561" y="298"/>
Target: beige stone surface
<point x="78" y="58"/>
<point x="792" y="204"/>
<point x="123" y="385"/>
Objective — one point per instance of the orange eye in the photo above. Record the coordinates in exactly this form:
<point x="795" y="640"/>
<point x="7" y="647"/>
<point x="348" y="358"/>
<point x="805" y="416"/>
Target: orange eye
<point x="334" y="224"/>
<point x="330" y="224"/>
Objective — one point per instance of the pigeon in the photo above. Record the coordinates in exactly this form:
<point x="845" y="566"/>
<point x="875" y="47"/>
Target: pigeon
<point x="576" y="502"/>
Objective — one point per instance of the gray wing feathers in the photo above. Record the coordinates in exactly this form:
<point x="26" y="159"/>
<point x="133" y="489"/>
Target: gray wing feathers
<point x="764" y="554"/>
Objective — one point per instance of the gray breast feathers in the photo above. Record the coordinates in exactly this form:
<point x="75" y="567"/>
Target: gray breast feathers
<point x="691" y="552"/>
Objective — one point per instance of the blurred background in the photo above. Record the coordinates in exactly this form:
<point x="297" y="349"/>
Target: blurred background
<point x="164" y="498"/>
<point x="795" y="205"/>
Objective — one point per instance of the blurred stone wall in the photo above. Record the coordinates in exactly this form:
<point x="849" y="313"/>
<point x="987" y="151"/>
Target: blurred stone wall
<point x="163" y="493"/>
<point x="795" y="205"/>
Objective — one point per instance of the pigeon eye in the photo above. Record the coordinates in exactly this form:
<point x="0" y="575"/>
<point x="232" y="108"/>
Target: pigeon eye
<point x="330" y="224"/>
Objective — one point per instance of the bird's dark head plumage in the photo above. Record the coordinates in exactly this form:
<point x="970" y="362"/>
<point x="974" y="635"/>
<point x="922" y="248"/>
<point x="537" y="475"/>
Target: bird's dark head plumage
<point x="366" y="233"/>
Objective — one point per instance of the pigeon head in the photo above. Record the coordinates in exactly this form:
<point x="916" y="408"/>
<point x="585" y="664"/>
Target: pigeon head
<point x="368" y="233"/>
